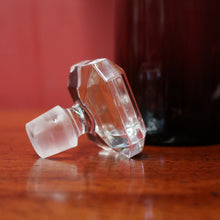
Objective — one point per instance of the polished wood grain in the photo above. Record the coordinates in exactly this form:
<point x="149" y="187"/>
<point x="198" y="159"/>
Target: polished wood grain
<point x="89" y="183"/>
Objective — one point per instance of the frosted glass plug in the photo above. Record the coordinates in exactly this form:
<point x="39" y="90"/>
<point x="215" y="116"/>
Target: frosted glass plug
<point x="104" y="108"/>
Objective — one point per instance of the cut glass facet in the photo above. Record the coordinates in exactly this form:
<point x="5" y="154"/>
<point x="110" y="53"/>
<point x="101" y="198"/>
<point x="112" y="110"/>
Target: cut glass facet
<point x="104" y="108"/>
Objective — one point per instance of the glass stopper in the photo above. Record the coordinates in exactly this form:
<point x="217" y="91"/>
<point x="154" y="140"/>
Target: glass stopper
<point x="104" y="108"/>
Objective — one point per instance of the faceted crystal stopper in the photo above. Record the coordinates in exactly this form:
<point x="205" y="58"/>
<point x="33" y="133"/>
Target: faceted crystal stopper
<point x="104" y="108"/>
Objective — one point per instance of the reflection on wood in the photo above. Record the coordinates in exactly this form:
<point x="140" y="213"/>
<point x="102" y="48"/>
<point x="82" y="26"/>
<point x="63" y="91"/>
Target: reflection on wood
<point x="89" y="183"/>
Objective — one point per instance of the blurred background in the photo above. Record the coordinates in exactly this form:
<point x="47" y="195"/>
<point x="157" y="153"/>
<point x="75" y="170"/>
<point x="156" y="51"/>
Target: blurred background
<point x="40" y="40"/>
<point x="169" y="49"/>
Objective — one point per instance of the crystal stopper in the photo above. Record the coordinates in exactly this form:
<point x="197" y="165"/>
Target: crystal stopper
<point x="104" y="108"/>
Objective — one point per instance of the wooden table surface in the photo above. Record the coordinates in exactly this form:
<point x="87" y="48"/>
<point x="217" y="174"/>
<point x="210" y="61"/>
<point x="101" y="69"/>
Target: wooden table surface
<point x="89" y="183"/>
